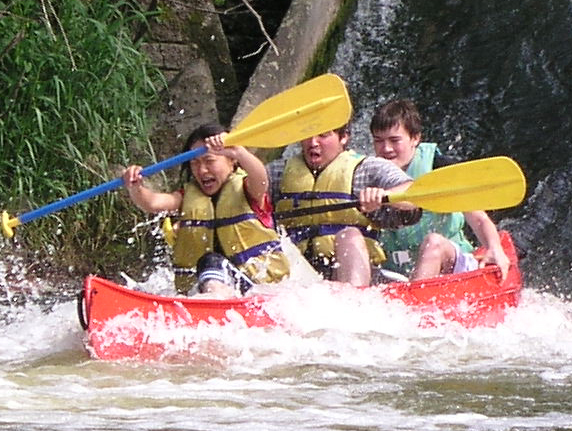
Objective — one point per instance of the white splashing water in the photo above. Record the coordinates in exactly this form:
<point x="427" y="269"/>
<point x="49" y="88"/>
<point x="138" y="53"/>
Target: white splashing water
<point x="331" y="347"/>
<point x="318" y="322"/>
<point x="340" y="358"/>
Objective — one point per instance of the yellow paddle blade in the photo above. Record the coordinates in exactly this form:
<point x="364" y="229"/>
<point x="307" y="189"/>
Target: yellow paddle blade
<point x="485" y="184"/>
<point x="313" y="107"/>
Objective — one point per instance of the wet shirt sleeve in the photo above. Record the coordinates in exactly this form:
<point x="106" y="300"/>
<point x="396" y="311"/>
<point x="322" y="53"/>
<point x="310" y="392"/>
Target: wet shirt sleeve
<point x="378" y="172"/>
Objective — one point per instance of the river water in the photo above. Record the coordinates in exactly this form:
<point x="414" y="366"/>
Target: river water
<point x="344" y="362"/>
<point x="491" y="79"/>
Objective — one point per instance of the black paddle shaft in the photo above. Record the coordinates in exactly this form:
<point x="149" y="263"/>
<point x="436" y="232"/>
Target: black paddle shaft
<point x="297" y="212"/>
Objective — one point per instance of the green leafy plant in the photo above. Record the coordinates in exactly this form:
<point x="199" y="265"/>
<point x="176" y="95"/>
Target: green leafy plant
<point x="76" y="91"/>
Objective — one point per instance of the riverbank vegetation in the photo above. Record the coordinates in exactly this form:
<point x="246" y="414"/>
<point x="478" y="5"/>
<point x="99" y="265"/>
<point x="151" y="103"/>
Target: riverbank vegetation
<point x="75" y="94"/>
<point x="79" y="101"/>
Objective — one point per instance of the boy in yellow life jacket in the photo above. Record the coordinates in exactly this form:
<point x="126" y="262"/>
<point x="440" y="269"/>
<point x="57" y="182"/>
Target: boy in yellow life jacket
<point x="342" y="244"/>
<point x="437" y="244"/>
<point x="225" y="235"/>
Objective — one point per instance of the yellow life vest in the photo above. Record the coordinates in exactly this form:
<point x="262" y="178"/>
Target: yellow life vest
<point x="244" y="240"/>
<point x="300" y="189"/>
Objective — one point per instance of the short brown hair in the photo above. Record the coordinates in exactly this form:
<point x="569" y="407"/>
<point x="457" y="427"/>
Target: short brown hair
<point x="394" y="112"/>
<point x="344" y="130"/>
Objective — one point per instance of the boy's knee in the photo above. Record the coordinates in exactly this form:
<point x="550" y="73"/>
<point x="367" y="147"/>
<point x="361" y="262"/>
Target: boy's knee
<point x="349" y="233"/>
<point x="436" y="246"/>
<point x="210" y="268"/>
<point x="434" y="241"/>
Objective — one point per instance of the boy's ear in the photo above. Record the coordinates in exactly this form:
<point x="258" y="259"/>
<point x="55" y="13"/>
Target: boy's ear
<point x="417" y="139"/>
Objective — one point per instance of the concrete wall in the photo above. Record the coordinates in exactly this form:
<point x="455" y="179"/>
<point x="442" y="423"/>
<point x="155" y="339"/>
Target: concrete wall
<point x="189" y="46"/>
<point x="303" y="29"/>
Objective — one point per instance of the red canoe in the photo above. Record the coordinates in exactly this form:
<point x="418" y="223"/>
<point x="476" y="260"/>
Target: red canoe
<point x="112" y="314"/>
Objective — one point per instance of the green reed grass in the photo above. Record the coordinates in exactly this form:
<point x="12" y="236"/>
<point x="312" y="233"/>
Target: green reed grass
<point x="75" y="91"/>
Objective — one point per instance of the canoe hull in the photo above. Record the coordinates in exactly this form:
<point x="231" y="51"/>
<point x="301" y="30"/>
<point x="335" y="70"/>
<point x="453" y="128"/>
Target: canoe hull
<point x="475" y="298"/>
<point x="105" y="302"/>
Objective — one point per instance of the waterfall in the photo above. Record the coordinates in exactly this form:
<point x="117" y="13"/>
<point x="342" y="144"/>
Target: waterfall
<point x="489" y="79"/>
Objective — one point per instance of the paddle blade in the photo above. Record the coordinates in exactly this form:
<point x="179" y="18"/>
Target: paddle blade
<point x="485" y="184"/>
<point x="313" y="107"/>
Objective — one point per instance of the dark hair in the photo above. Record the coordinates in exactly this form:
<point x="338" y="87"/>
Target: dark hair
<point x="199" y="134"/>
<point x="344" y="130"/>
<point x="395" y="112"/>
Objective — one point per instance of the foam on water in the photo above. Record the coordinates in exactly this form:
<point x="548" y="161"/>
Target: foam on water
<point x="322" y="322"/>
<point x="331" y="340"/>
<point x="37" y="334"/>
<point x="339" y="358"/>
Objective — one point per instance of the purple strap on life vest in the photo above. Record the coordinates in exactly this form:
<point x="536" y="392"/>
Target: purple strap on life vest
<point x="257" y="250"/>
<point x="301" y="233"/>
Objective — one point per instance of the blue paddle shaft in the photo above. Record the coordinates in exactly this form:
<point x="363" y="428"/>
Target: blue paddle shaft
<point x="111" y="185"/>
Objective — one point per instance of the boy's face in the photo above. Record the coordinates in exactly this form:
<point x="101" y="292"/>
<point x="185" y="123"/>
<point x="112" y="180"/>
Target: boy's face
<point x="395" y="144"/>
<point x="211" y="170"/>
<point x="319" y="151"/>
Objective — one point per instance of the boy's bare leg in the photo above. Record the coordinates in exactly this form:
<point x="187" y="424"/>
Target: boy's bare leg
<point x="436" y="256"/>
<point x="352" y="257"/>
<point x="218" y="289"/>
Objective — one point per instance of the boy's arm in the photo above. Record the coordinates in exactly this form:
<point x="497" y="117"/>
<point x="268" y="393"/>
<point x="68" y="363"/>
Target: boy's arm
<point x="145" y="198"/>
<point x="371" y="198"/>
<point x="383" y="177"/>
<point x="488" y="236"/>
